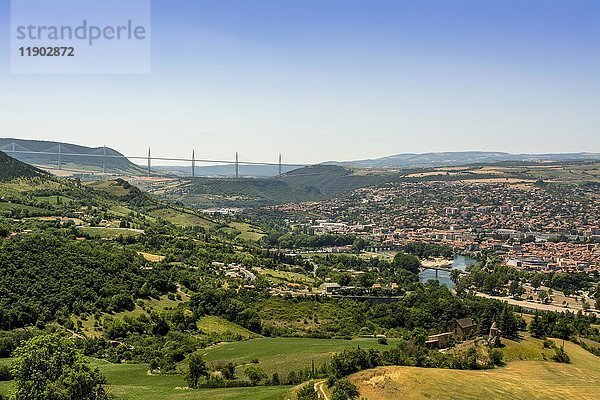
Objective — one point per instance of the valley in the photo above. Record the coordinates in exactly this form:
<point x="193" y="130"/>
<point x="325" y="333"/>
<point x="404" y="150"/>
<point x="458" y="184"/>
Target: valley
<point x="144" y="281"/>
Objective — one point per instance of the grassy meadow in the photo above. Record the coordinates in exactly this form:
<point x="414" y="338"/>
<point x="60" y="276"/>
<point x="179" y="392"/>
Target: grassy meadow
<point x="215" y="325"/>
<point x="132" y="382"/>
<point x="529" y="373"/>
<point x="181" y="218"/>
<point x="247" y="231"/>
<point x="110" y="233"/>
<point x="521" y="379"/>
<point x="275" y="354"/>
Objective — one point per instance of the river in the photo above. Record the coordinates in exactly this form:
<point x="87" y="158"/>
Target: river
<point x="460" y="263"/>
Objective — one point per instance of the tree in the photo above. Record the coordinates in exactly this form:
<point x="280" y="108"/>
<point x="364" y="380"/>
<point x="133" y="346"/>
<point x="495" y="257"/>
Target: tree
<point x="255" y="374"/>
<point x="345" y="279"/>
<point x="536" y="281"/>
<point x="358" y="245"/>
<point x="307" y="392"/>
<point x="292" y="378"/>
<point x="275" y="379"/>
<point x="520" y="291"/>
<point x="227" y="370"/>
<point x="455" y="276"/>
<point x="196" y="369"/>
<point x="4" y="230"/>
<point x="343" y="389"/>
<point x="407" y="262"/>
<point x="49" y="367"/>
<point x="536" y="328"/>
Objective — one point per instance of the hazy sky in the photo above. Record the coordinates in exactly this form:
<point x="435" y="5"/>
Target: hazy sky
<point x="332" y="79"/>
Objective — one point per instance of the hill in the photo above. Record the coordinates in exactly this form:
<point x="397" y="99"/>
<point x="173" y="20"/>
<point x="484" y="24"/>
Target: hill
<point x="518" y="380"/>
<point x="329" y="180"/>
<point x="11" y="168"/>
<point x="311" y="183"/>
<point x="446" y="159"/>
<point x="73" y="157"/>
<point x="244" y="192"/>
<point x="321" y="182"/>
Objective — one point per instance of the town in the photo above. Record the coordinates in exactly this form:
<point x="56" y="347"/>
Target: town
<point x="534" y="227"/>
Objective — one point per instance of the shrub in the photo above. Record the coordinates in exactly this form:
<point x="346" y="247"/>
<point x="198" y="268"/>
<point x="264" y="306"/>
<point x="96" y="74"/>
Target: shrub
<point x="255" y="374"/>
<point x="5" y="373"/>
<point x="307" y="392"/>
<point x="343" y="389"/>
<point x="561" y="356"/>
<point x="496" y="357"/>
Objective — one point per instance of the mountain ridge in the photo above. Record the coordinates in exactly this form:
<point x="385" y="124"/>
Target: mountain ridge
<point x="458" y="158"/>
<point x="90" y="158"/>
<point x="73" y="156"/>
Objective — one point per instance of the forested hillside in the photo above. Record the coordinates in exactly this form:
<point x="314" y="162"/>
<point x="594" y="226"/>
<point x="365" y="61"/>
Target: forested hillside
<point x="45" y="277"/>
<point x="329" y="180"/>
<point x="305" y="184"/>
<point x="13" y="169"/>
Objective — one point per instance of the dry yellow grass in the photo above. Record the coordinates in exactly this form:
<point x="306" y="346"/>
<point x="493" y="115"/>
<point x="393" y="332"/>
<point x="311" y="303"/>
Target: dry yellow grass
<point x="524" y="380"/>
<point x="151" y="257"/>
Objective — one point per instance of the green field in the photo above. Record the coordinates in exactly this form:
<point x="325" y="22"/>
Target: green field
<point x="307" y="316"/>
<point x="110" y="233"/>
<point x="55" y="200"/>
<point x="132" y="382"/>
<point x="275" y="354"/>
<point x="112" y="187"/>
<point x="519" y="380"/>
<point x="182" y="218"/>
<point x="286" y="276"/>
<point x="6" y="208"/>
<point x="529" y="348"/>
<point x="216" y="325"/>
<point x="248" y="232"/>
<point x="121" y="210"/>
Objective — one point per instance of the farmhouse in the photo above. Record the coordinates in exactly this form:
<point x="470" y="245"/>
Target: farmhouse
<point x="459" y="330"/>
<point x="462" y="327"/>
<point x="329" y="287"/>
<point x="439" y="341"/>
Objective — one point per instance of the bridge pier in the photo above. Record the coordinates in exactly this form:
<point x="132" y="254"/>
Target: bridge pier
<point x="193" y="163"/>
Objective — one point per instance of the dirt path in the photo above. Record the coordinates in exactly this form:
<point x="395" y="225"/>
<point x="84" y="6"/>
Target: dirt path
<point x="320" y="389"/>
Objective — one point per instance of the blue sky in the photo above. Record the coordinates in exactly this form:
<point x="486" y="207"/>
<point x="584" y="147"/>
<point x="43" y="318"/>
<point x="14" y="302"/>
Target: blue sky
<point x="332" y="79"/>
